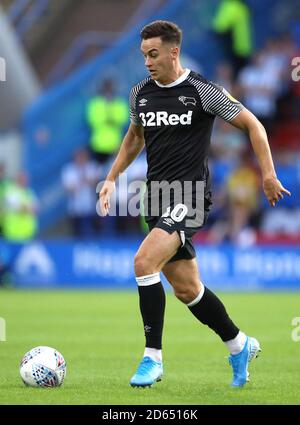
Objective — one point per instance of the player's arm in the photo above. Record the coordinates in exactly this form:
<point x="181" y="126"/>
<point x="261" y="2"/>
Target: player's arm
<point x="131" y="146"/>
<point x="217" y="101"/>
<point x="247" y="122"/>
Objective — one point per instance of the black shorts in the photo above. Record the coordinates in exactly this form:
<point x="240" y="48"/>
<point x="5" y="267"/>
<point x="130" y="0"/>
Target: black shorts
<point x="175" y="220"/>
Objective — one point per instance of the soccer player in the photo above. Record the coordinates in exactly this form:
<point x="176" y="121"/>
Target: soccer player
<point x="172" y="114"/>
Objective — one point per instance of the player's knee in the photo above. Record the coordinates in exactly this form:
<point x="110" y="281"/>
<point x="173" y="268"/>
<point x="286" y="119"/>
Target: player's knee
<point x="184" y="296"/>
<point x="187" y="294"/>
<point x="143" y="265"/>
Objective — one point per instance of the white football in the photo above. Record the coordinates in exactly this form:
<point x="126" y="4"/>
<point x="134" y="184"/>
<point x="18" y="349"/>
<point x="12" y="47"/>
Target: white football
<point x="43" y="367"/>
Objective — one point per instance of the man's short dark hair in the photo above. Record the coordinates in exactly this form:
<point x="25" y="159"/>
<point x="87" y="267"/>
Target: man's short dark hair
<point x="167" y="31"/>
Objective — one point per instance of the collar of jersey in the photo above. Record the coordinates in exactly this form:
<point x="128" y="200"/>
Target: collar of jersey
<point x="176" y="82"/>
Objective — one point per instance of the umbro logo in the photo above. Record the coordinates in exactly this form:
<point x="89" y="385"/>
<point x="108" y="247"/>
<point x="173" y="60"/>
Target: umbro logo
<point x="187" y="100"/>
<point x="168" y="221"/>
<point x="143" y="102"/>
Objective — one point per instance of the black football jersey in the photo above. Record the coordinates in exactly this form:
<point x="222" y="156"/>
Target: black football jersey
<point x="178" y="120"/>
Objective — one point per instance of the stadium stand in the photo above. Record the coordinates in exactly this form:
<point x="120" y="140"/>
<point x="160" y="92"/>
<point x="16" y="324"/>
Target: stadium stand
<point x="73" y="57"/>
<point x="78" y="58"/>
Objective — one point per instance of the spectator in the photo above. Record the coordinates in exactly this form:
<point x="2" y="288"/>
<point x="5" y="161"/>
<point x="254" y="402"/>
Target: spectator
<point x="242" y="195"/>
<point x="259" y="89"/>
<point x="106" y="115"/>
<point x="278" y="56"/>
<point x="20" y="221"/>
<point x="79" y="179"/>
<point x="227" y="145"/>
<point x="232" y="23"/>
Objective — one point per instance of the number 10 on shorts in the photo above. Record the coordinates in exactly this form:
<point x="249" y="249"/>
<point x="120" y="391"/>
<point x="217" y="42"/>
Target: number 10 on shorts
<point x="178" y="213"/>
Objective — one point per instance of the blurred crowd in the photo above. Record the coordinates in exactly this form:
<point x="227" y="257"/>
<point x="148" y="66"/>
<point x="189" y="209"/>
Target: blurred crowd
<point x="261" y="80"/>
<point x="240" y="213"/>
<point x="264" y="85"/>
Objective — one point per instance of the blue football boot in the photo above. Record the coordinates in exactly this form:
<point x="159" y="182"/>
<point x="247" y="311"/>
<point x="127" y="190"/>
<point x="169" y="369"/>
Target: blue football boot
<point x="148" y="372"/>
<point x="240" y="361"/>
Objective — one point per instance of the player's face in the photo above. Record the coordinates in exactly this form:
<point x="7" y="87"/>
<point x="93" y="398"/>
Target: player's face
<point x="159" y="58"/>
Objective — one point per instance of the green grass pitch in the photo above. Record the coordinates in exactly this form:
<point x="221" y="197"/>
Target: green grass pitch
<point x="101" y="337"/>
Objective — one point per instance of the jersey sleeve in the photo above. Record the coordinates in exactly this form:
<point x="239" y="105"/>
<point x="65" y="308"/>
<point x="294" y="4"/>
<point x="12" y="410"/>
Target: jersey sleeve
<point x="217" y="101"/>
<point x="134" y="118"/>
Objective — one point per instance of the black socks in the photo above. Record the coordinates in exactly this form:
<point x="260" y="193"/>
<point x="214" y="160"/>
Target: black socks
<point x="211" y="312"/>
<point x="152" y="306"/>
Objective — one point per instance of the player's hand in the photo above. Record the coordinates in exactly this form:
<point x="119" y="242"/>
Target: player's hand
<point x="104" y="196"/>
<point x="274" y="190"/>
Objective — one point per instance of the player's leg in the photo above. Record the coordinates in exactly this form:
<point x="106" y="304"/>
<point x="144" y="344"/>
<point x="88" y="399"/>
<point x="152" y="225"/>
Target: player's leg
<point x="183" y="275"/>
<point x="156" y="249"/>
